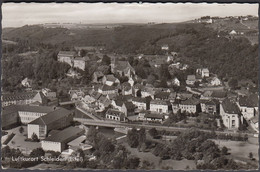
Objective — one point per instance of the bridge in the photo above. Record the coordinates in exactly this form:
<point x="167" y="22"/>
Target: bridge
<point x="115" y="124"/>
<point x="67" y="103"/>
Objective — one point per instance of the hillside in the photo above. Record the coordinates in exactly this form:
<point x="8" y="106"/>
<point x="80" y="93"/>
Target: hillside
<point x="197" y="44"/>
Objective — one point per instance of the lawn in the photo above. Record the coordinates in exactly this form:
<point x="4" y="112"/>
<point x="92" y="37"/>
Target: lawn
<point x="240" y="150"/>
<point x="158" y="164"/>
<point x="18" y="141"/>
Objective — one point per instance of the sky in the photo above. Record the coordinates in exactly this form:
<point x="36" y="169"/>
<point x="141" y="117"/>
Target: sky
<point x="19" y="14"/>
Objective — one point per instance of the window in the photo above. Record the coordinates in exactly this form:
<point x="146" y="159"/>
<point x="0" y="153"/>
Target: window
<point x="233" y="123"/>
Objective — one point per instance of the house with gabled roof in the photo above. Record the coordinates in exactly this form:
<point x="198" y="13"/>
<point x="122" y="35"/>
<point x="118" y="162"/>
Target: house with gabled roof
<point x="191" y="79"/>
<point x="18" y="98"/>
<point x="160" y="106"/>
<point x="116" y="115"/>
<point x="230" y="113"/>
<point x="67" y="57"/>
<point x="110" y="80"/>
<point x="106" y="89"/>
<point x="123" y="68"/>
<point x="140" y="103"/>
<point x="248" y="105"/>
<point x="97" y="77"/>
<point x="191" y="105"/>
<point x="203" y="72"/>
<point x="209" y="106"/>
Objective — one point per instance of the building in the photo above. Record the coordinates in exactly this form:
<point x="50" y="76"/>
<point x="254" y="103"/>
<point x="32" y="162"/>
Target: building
<point x="254" y="123"/>
<point x="97" y="77"/>
<point x="191" y="79"/>
<point x="9" y="117"/>
<point x="16" y="114"/>
<point x="165" y="47"/>
<point x="66" y="57"/>
<point x="58" y="141"/>
<point x="154" y="117"/>
<point x="114" y="114"/>
<point x="18" y="98"/>
<point x="191" y="105"/>
<point x="106" y="90"/>
<point x="147" y="91"/>
<point x="123" y="68"/>
<point x="48" y="93"/>
<point x="203" y="72"/>
<point x="140" y="103"/>
<point x="162" y="95"/>
<point x="80" y="63"/>
<point x="103" y="102"/>
<point x="230" y="114"/>
<point x="57" y="119"/>
<point x="233" y="32"/>
<point x="126" y="89"/>
<point x="110" y="80"/>
<point x="209" y="106"/>
<point x="27" y="83"/>
<point x="248" y="105"/>
<point x="160" y="106"/>
<point x="215" y="81"/>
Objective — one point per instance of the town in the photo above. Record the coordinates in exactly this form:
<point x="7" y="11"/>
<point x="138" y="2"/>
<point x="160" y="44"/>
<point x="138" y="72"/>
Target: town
<point x="147" y="100"/>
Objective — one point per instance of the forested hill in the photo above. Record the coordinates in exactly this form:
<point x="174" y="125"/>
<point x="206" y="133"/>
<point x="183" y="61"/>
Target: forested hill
<point x="197" y="44"/>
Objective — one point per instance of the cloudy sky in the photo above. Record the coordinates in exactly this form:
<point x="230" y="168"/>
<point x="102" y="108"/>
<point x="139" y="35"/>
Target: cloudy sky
<point x="15" y="15"/>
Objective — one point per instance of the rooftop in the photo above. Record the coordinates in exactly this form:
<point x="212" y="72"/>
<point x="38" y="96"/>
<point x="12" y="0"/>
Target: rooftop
<point x="159" y="102"/>
<point x="114" y="112"/>
<point x="27" y="108"/>
<point x="65" y="134"/>
<point x="249" y="101"/>
<point x="191" y="78"/>
<point x="230" y="107"/>
<point x="67" y="53"/>
<point x="51" y="117"/>
<point x="18" y="96"/>
<point x="190" y="101"/>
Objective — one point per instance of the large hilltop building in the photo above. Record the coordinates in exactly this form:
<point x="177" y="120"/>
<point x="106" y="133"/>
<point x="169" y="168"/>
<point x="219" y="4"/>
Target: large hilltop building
<point x="71" y="58"/>
<point x="123" y="68"/>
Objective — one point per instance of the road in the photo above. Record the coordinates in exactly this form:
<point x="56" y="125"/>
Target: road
<point x="115" y="124"/>
<point x="88" y="114"/>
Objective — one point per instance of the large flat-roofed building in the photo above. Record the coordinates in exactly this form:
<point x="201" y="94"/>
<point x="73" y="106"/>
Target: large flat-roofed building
<point x="15" y="114"/>
<point x="57" y="119"/>
<point x="58" y="141"/>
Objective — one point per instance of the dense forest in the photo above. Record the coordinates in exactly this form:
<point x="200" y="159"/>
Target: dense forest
<point x="196" y="44"/>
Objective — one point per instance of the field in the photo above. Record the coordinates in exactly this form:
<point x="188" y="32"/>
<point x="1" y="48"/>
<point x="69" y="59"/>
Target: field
<point x="240" y="150"/>
<point x="161" y="164"/>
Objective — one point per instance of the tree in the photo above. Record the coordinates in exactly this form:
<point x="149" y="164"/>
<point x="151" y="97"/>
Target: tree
<point x="233" y="83"/>
<point x="21" y="130"/>
<point x="153" y="132"/>
<point x="133" y="138"/>
<point x="83" y="53"/>
<point x="38" y="152"/>
<point x="224" y="150"/>
<point x="106" y="60"/>
<point x="35" y="137"/>
<point x="133" y="162"/>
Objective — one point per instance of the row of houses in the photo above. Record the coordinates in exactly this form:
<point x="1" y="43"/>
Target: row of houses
<point x="41" y="97"/>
